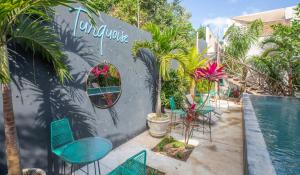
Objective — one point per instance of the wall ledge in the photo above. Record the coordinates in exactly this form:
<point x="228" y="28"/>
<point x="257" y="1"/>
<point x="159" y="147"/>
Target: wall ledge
<point x="257" y="160"/>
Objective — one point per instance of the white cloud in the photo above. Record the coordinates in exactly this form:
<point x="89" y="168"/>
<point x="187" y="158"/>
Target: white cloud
<point x="218" y="24"/>
<point x="218" y="21"/>
<point x="250" y="11"/>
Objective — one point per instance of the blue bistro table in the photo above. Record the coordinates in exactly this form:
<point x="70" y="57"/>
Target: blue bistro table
<point x="85" y="151"/>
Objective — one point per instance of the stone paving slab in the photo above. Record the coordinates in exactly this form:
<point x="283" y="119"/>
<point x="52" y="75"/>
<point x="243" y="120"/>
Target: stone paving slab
<point x="222" y="156"/>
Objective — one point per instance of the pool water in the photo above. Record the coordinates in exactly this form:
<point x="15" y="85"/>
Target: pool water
<point x="279" y="120"/>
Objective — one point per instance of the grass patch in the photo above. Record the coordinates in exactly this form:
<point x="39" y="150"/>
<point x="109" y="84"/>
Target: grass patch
<point x="173" y="148"/>
<point x="152" y="171"/>
<point x="164" y="142"/>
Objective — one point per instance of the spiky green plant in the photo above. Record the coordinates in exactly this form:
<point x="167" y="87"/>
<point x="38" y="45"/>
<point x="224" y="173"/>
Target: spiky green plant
<point x="165" y="47"/>
<point x="239" y="41"/>
<point x="193" y="60"/>
<point x="29" y="23"/>
<point x="280" y="59"/>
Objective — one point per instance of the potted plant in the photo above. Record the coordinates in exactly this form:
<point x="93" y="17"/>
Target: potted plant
<point x="158" y="125"/>
<point x="164" y="46"/>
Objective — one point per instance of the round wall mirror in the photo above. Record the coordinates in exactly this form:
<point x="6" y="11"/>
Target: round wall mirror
<point x="103" y="85"/>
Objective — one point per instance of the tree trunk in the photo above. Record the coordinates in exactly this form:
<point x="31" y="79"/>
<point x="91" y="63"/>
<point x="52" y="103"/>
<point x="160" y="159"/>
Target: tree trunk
<point x="291" y="84"/>
<point x="192" y="88"/>
<point x="11" y="139"/>
<point x="158" y="100"/>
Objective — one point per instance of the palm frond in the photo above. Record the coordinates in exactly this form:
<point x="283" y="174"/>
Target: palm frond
<point x="165" y="63"/>
<point x="269" y="51"/>
<point x="10" y="10"/>
<point x="140" y="45"/>
<point x="35" y="35"/>
<point x="154" y="30"/>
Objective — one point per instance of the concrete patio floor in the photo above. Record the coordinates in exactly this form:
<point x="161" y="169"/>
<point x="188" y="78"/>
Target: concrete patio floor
<point x="222" y="156"/>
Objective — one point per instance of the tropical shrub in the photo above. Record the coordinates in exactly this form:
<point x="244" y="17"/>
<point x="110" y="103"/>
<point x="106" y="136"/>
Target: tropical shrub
<point x="193" y="60"/>
<point x="174" y="87"/>
<point x="202" y="86"/>
<point x="165" y="47"/>
<point x="281" y="57"/>
<point x="239" y="41"/>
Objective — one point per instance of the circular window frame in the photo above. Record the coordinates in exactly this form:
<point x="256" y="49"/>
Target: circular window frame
<point x="86" y="86"/>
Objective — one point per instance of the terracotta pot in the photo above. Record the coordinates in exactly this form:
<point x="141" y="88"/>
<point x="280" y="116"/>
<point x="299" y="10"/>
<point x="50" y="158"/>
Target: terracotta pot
<point x="158" y="125"/>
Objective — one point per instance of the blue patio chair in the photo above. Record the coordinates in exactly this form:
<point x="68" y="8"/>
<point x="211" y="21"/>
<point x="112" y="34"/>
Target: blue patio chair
<point x="77" y="152"/>
<point x="174" y="112"/>
<point x="61" y="136"/>
<point x="205" y="109"/>
<point x="136" y="165"/>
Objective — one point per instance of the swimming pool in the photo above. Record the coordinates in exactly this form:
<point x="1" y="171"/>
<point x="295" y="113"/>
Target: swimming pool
<point x="279" y="121"/>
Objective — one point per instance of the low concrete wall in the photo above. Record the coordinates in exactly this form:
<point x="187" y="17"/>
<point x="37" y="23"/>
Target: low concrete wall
<point x="256" y="156"/>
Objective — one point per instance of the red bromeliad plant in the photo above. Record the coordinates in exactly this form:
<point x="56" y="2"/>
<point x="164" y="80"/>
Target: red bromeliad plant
<point x="212" y="73"/>
<point x="191" y="116"/>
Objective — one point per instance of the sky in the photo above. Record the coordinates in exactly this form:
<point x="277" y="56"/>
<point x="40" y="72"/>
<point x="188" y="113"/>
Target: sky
<point x="216" y="13"/>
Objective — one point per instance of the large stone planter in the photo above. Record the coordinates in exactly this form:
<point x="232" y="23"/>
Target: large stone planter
<point x="158" y="126"/>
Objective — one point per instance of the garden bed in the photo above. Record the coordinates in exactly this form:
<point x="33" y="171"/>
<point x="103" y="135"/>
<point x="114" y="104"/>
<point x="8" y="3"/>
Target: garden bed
<point x="174" y="148"/>
<point x="152" y="171"/>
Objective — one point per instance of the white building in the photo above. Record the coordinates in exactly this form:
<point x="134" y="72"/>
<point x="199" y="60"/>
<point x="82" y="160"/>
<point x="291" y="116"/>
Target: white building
<point x="269" y="18"/>
<point x="211" y="43"/>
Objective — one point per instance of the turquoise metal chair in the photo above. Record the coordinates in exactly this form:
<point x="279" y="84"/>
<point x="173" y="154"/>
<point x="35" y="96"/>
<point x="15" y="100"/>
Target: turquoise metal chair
<point x="175" y="112"/>
<point x="77" y="152"/>
<point x="136" y="165"/>
<point x="61" y="136"/>
<point x="205" y="110"/>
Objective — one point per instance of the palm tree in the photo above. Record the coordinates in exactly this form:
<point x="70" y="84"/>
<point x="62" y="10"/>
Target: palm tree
<point x="280" y="59"/>
<point x="165" y="47"/>
<point x="239" y="41"/>
<point x="193" y="60"/>
<point x="28" y="23"/>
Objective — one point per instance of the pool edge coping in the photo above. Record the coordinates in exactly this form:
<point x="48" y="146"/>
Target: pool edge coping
<point x="257" y="159"/>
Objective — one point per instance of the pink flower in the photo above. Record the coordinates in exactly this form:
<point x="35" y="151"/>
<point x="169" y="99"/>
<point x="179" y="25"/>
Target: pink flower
<point x="211" y="72"/>
<point x="104" y="69"/>
<point x="96" y="71"/>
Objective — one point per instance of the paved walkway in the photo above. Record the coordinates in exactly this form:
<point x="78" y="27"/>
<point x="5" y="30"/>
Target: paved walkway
<point x="222" y="156"/>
